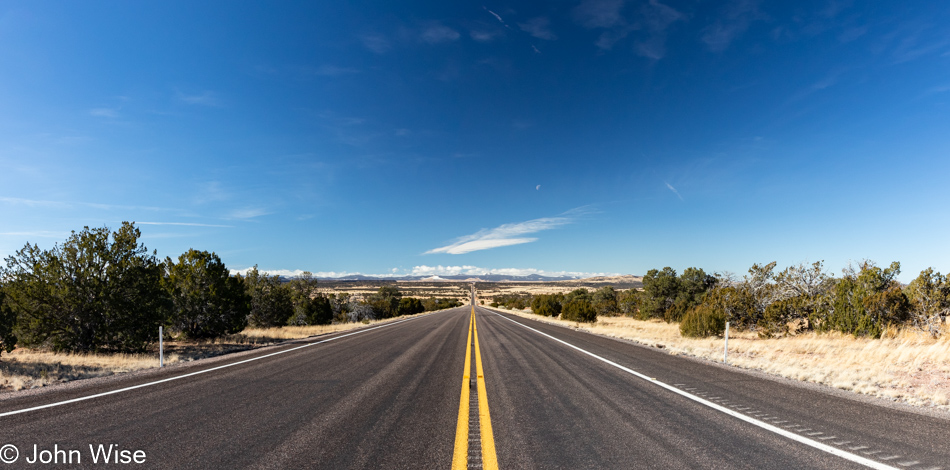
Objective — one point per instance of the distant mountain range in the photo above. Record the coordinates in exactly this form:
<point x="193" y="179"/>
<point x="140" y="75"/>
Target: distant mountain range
<point x="487" y="278"/>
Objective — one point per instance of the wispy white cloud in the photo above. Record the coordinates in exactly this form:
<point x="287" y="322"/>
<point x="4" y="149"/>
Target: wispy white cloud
<point x="498" y="17"/>
<point x="212" y="191"/>
<point x="539" y="27"/>
<point x="437" y="33"/>
<point x="446" y="270"/>
<point x="610" y="37"/>
<point x="671" y="188"/>
<point x="833" y="8"/>
<point x="825" y="82"/>
<point x="599" y="13"/>
<point x="483" y="35"/>
<point x="535" y="49"/>
<point x="652" y="18"/>
<point x="205" y="98"/>
<point x="807" y="23"/>
<point x="33" y="202"/>
<point x="66" y="205"/>
<point x="166" y="235"/>
<point x="658" y="18"/>
<point x="914" y="47"/>
<point x="505" y="235"/>
<point x="653" y="48"/>
<point x="110" y="113"/>
<point x="734" y="20"/>
<point x="185" y="224"/>
<point x="248" y="213"/>
<point x="376" y="42"/>
<point x="469" y="246"/>
<point x="37" y="233"/>
<point x="828" y="81"/>
<point x="852" y="33"/>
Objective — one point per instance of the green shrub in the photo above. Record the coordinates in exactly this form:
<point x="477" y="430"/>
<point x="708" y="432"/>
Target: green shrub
<point x="546" y="305"/>
<point x="315" y="311"/>
<point x="432" y="304"/>
<point x="510" y="301"/>
<point x="865" y="302"/>
<point x="703" y="321"/>
<point x="579" y="310"/>
<point x="677" y="311"/>
<point x="776" y="318"/>
<point x="668" y="296"/>
<point x="628" y="302"/>
<point x="100" y="291"/>
<point x="410" y="306"/>
<point x="604" y="301"/>
<point x="208" y="301"/>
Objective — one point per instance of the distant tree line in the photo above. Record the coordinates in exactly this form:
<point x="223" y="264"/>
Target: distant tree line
<point x="579" y="305"/>
<point x="865" y="301"/>
<point x="102" y="291"/>
<point x="387" y="302"/>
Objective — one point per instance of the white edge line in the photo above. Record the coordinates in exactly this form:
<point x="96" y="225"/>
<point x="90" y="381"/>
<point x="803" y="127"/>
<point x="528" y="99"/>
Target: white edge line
<point x="111" y="392"/>
<point x="768" y="427"/>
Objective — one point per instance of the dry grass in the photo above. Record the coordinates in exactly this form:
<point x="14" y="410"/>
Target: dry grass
<point x="903" y="366"/>
<point x="297" y="332"/>
<point x="27" y="368"/>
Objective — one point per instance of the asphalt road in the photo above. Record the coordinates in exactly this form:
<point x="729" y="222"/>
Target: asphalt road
<point x="389" y="398"/>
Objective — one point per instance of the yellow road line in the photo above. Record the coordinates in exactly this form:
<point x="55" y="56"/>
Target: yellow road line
<point x="489" y="459"/>
<point x="460" y="456"/>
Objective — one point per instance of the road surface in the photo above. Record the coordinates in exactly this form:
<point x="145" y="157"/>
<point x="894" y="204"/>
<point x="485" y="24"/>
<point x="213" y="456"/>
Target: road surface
<point x="389" y="397"/>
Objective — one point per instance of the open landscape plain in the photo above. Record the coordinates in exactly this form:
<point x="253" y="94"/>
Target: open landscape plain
<point x="485" y="290"/>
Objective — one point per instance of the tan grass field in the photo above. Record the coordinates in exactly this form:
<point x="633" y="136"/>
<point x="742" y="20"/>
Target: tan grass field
<point x="459" y="289"/>
<point x="904" y="366"/>
<point x="27" y="368"/>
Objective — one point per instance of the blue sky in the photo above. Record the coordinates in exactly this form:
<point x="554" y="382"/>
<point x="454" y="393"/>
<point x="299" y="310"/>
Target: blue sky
<point x="595" y="136"/>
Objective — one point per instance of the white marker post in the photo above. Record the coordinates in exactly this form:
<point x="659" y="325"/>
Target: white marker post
<point x="725" y="349"/>
<point x="161" y="353"/>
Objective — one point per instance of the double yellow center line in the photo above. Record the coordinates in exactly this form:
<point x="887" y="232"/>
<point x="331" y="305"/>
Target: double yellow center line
<point x="460" y="456"/>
